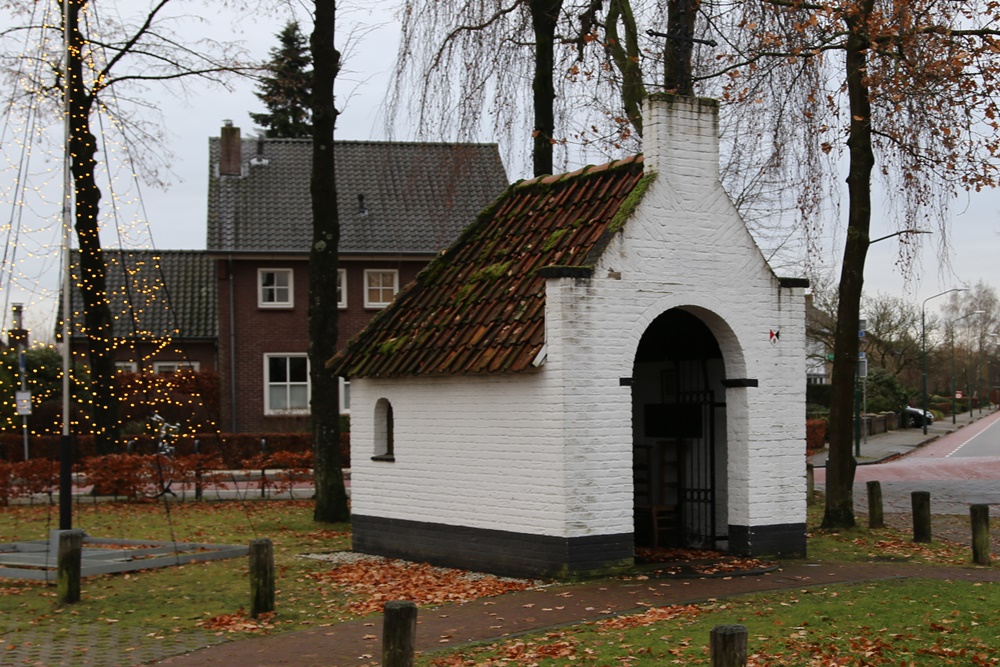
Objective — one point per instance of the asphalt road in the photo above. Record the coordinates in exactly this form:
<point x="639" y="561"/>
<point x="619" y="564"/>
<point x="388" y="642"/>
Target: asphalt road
<point x="958" y="469"/>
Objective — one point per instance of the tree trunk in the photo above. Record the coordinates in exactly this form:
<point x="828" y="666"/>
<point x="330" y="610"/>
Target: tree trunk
<point x="625" y="54"/>
<point x="840" y="468"/>
<point x="331" y="495"/>
<point x="544" y="15"/>
<point x="97" y="312"/>
<point x="677" y="72"/>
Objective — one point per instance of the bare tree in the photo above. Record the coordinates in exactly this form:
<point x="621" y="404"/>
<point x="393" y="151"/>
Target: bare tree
<point x="908" y="91"/>
<point x="104" y="60"/>
<point x="331" y="495"/>
<point x="892" y="335"/>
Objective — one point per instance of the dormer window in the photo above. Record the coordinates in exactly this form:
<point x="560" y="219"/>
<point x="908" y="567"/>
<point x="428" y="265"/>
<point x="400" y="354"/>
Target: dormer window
<point x="274" y="288"/>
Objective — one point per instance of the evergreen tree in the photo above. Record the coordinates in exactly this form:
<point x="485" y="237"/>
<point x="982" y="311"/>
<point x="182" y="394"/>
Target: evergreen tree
<point x="287" y="88"/>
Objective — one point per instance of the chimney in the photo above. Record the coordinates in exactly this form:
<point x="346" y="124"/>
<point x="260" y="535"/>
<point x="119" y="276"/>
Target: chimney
<point x="230" y="158"/>
<point x="681" y="139"/>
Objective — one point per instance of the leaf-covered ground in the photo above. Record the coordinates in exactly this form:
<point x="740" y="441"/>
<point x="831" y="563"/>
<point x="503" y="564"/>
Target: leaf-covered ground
<point x="901" y="623"/>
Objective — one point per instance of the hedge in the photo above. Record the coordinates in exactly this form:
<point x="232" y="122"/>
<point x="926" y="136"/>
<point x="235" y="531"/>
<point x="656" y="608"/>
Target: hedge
<point x="815" y="434"/>
<point x="233" y="449"/>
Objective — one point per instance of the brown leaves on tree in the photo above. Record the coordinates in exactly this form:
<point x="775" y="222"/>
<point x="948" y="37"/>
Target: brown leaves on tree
<point x="379" y="580"/>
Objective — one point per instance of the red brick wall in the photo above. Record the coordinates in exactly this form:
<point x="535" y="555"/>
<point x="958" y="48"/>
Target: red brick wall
<point x="201" y="352"/>
<point x="260" y="331"/>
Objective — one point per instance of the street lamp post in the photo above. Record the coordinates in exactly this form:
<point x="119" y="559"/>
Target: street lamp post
<point x="923" y="345"/>
<point x="952" y="326"/>
<point x="983" y="387"/>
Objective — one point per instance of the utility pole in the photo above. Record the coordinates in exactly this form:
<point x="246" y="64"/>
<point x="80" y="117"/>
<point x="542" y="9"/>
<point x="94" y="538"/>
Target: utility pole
<point x="17" y="338"/>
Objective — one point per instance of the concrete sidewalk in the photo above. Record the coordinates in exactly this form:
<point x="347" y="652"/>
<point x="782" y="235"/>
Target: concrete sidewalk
<point x="902" y="441"/>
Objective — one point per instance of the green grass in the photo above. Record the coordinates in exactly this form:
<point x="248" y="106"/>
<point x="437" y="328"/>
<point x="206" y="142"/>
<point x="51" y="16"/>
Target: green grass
<point x="901" y="623"/>
<point x="909" y="622"/>
<point x="173" y="599"/>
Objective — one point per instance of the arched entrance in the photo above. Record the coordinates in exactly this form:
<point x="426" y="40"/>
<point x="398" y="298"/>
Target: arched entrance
<point x="679" y="435"/>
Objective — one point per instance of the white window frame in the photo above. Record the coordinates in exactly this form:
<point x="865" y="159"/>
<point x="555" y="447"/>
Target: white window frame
<point x="166" y="367"/>
<point x="395" y="287"/>
<point x="341" y="288"/>
<point x="126" y="367"/>
<point x="385" y="432"/>
<point x="268" y="410"/>
<point x="262" y="301"/>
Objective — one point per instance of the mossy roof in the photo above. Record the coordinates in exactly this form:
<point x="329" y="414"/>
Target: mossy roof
<point x="479" y="307"/>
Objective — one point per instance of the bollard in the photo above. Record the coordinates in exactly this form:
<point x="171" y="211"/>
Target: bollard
<point x="980" y="515"/>
<point x="875" y="515"/>
<point x="261" y="576"/>
<point x="728" y="646"/>
<point x="199" y="488"/>
<point x="920" y="501"/>
<point x="810" y="483"/>
<point x="69" y="565"/>
<point x="399" y="633"/>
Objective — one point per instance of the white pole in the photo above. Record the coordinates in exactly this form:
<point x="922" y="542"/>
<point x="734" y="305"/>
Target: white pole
<point x="65" y="449"/>
<point x="67" y="224"/>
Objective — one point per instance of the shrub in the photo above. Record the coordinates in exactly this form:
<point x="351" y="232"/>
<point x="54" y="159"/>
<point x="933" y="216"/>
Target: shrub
<point x="815" y="434"/>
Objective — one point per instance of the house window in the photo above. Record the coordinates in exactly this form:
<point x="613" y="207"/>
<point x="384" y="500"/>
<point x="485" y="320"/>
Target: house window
<point x="341" y="288"/>
<point x="385" y="445"/>
<point x="380" y="286"/>
<point x="126" y="366"/>
<point x="168" y="367"/>
<point x="286" y="384"/>
<point x="274" y="288"/>
<point x="345" y="396"/>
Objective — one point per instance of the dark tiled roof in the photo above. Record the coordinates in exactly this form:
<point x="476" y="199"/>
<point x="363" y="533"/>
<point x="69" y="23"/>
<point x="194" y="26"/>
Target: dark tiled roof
<point x="479" y="307"/>
<point x="162" y="293"/>
<point x="417" y="196"/>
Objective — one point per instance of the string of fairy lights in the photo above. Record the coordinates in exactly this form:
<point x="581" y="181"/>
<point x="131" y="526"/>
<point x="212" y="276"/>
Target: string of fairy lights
<point x="31" y="201"/>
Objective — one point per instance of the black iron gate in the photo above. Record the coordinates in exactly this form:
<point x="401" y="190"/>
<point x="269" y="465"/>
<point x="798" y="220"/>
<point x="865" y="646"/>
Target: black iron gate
<point x="697" y="484"/>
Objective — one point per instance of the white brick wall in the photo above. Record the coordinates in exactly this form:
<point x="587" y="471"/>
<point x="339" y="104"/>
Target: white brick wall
<point x="550" y="452"/>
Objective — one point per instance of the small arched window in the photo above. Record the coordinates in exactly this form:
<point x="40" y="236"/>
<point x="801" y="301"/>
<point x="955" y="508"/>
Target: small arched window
<point x="385" y="449"/>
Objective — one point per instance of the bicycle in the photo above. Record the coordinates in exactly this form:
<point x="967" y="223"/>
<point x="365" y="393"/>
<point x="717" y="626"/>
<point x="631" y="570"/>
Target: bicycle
<point x="163" y="454"/>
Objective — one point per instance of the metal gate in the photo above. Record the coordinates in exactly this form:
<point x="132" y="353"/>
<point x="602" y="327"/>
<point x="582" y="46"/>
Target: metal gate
<point x="697" y="484"/>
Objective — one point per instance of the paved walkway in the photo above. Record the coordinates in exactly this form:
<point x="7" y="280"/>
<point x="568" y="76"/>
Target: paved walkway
<point x="886" y="446"/>
<point x="359" y="643"/>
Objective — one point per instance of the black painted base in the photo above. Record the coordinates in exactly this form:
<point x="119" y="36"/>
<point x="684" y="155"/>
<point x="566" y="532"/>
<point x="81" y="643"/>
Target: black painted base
<point x="787" y="540"/>
<point x="496" y="551"/>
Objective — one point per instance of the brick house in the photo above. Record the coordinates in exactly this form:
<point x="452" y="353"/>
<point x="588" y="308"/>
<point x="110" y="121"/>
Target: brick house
<point x="603" y="360"/>
<point x="400" y="204"/>
<point x="163" y="309"/>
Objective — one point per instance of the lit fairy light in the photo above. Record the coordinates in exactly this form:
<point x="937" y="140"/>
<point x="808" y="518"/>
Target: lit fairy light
<point x="31" y="200"/>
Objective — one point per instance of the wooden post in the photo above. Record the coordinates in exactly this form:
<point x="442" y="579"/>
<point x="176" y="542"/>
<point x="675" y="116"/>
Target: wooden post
<point x="875" y="515"/>
<point x="261" y="576"/>
<point x="728" y="646"/>
<point x="810" y="483"/>
<point x="921" y="503"/>
<point x="399" y="633"/>
<point x="69" y="565"/>
<point x="980" y="515"/>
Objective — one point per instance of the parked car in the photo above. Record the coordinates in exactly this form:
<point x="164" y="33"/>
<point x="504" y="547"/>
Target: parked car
<point x="917" y="417"/>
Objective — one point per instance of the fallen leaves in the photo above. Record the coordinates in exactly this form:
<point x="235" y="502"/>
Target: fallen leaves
<point x="378" y="580"/>
<point x="699" y="562"/>
<point x="238" y="622"/>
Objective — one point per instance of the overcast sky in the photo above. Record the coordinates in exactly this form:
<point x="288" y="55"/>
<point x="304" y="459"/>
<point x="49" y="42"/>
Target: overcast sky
<point x="177" y="216"/>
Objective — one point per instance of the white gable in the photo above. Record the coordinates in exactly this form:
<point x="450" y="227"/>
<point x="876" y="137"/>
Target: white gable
<point x="550" y="453"/>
